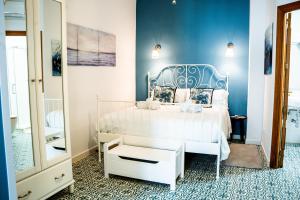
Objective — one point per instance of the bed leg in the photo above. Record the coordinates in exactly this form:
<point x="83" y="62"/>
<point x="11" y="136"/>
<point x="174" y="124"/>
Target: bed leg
<point x="71" y="188"/>
<point x="182" y="162"/>
<point x="172" y="176"/>
<point x="99" y="151"/>
<point x="105" y="149"/>
<point x="218" y="167"/>
<point x="173" y="186"/>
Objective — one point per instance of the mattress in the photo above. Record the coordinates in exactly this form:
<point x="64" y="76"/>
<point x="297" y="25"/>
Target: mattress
<point x="51" y="133"/>
<point x="170" y="123"/>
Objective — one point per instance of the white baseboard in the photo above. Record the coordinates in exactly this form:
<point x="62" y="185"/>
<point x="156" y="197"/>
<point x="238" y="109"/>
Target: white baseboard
<point x="84" y="154"/>
<point x="253" y="141"/>
<point x="266" y="155"/>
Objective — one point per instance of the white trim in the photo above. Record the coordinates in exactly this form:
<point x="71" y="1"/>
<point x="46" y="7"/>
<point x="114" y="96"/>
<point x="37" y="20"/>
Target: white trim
<point x="266" y="155"/>
<point x="41" y="101"/>
<point x="84" y="154"/>
<point x="11" y="177"/>
<point x="31" y="26"/>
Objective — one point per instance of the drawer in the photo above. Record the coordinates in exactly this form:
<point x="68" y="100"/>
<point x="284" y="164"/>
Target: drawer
<point x="150" y="171"/>
<point x="45" y="182"/>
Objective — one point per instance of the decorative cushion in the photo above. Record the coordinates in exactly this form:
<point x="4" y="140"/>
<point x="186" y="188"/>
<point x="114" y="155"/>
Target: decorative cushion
<point x="201" y="95"/>
<point x="220" y="97"/>
<point x="164" y="94"/>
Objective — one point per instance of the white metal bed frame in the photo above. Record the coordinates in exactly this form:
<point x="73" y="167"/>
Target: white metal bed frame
<point x="213" y="148"/>
<point x="53" y="105"/>
<point x="188" y="76"/>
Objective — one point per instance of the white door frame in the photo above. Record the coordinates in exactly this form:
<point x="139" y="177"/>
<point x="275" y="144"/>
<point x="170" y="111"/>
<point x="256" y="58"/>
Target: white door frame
<point x="32" y="93"/>
<point x="11" y="177"/>
<point x="40" y="97"/>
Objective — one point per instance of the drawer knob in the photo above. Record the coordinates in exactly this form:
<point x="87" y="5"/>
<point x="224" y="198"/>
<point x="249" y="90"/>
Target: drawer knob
<point x="59" y="177"/>
<point x="25" y="195"/>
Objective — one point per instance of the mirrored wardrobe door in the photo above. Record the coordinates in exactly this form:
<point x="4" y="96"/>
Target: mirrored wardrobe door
<point x="53" y="76"/>
<point x="22" y="86"/>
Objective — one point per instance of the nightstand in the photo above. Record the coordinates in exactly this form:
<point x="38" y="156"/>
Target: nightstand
<point x="239" y="120"/>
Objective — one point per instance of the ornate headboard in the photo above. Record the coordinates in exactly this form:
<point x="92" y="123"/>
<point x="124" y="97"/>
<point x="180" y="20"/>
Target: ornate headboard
<point x="188" y="76"/>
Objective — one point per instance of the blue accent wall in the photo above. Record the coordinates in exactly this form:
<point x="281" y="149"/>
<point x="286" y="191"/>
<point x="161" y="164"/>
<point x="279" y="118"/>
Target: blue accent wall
<point x="4" y="192"/>
<point x="195" y="32"/>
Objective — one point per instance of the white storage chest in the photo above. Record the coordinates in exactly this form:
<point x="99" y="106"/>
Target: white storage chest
<point x="151" y="164"/>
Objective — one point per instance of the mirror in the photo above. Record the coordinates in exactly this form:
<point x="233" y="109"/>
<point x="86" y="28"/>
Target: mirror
<point x="19" y="85"/>
<point x="51" y="32"/>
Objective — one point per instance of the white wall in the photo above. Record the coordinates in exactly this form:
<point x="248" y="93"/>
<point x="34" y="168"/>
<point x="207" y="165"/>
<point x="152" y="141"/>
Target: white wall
<point x="260" y="19"/>
<point x="295" y="52"/>
<point x="111" y="83"/>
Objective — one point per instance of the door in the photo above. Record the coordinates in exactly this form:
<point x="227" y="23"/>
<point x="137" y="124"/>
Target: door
<point x="22" y="84"/>
<point x="52" y="76"/>
<point x="286" y="73"/>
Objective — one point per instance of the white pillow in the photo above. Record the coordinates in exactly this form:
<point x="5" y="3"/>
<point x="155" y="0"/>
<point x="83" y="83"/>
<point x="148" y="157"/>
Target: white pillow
<point x="220" y="97"/>
<point x="148" y="104"/>
<point x="154" y="105"/>
<point x="142" y="105"/>
<point x="181" y="95"/>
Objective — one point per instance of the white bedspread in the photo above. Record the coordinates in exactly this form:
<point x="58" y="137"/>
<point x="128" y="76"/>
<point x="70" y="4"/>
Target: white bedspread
<point x="170" y="123"/>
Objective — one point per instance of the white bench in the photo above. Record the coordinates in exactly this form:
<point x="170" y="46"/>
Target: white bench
<point x="150" y="164"/>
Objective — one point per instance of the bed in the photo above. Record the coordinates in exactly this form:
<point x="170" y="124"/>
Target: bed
<point x="54" y="120"/>
<point x="204" y="132"/>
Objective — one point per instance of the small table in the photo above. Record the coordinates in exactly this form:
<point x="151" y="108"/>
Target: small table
<point x="241" y="120"/>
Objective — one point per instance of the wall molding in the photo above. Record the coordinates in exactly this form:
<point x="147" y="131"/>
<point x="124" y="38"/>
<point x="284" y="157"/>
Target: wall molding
<point x="253" y="141"/>
<point x="266" y="155"/>
<point x="84" y="154"/>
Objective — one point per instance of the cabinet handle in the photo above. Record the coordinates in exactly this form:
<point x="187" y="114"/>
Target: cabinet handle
<point x="59" y="177"/>
<point x="32" y="80"/>
<point x="25" y="195"/>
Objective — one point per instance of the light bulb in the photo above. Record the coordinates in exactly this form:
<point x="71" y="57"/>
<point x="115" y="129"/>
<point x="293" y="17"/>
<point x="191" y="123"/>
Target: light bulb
<point x="230" y="50"/>
<point x="155" y="54"/>
<point x="156" y="51"/>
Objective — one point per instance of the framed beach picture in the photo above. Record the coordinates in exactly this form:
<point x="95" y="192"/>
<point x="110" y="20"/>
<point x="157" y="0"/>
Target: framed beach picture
<point x="56" y="57"/>
<point x="90" y="47"/>
<point x="268" y="50"/>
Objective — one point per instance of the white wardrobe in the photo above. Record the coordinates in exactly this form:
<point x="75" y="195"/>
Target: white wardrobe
<point x="38" y="95"/>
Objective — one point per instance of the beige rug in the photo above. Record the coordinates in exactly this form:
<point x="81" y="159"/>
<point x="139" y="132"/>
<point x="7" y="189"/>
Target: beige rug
<point x="244" y="155"/>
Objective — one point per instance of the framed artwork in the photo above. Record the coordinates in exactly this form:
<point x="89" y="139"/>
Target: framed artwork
<point x="90" y="47"/>
<point x="268" y="50"/>
<point x="56" y="57"/>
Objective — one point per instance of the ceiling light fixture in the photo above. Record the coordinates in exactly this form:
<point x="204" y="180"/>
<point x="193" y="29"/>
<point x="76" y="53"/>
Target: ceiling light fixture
<point x="174" y="2"/>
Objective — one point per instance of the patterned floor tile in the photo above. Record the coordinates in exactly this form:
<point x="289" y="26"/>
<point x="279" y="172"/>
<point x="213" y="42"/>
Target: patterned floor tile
<point x="199" y="182"/>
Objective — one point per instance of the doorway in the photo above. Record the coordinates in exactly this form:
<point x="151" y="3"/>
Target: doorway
<point x="286" y="131"/>
<point x="293" y="115"/>
<point x="20" y="119"/>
